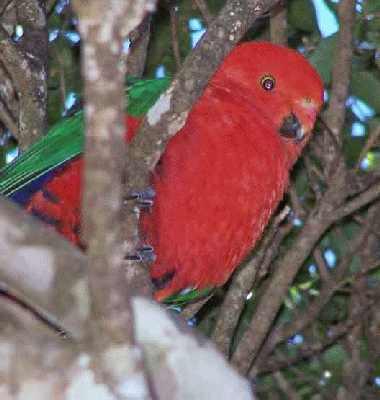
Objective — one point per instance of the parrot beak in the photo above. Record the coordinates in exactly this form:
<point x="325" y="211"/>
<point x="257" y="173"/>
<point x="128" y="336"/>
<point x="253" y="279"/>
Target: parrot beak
<point x="291" y="128"/>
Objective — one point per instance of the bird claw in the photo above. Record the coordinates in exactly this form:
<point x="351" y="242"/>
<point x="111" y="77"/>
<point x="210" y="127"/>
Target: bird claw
<point x="143" y="254"/>
<point x="144" y="199"/>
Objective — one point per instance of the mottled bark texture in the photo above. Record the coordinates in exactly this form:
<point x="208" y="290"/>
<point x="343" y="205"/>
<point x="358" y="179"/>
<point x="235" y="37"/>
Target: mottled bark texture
<point x="42" y="277"/>
<point x="23" y="64"/>
<point x="46" y="271"/>
<point x="104" y="27"/>
<point x="179" y="363"/>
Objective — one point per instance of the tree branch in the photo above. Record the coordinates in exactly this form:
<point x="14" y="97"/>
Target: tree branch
<point x="278" y="25"/>
<point x="301" y="319"/>
<point x="46" y="270"/>
<point x="111" y="328"/>
<point x="139" y="48"/>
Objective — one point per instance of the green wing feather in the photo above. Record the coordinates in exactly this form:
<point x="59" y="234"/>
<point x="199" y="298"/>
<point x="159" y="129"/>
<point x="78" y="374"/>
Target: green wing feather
<point x="63" y="142"/>
<point x="187" y="296"/>
<point x="65" y="139"/>
<point x="142" y="94"/>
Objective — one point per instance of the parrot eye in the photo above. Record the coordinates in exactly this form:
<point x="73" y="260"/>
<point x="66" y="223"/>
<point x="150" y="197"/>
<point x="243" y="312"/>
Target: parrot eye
<point x="268" y="82"/>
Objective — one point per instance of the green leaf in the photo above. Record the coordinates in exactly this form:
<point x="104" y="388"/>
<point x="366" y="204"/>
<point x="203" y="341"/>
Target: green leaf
<point x="335" y="355"/>
<point x="371" y="6"/>
<point x="314" y="292"/>
<point x="302" y="15"/>
<point x="366" y="86"/>
<point x="323" y="56"/>
<point x="306" y="285"/>
<point x="294" y="294"/>
<point x="288" y="303"/>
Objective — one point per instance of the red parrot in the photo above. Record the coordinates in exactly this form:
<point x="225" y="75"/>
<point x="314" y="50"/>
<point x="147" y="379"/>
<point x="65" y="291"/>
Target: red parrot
<point x="220" y="178"/>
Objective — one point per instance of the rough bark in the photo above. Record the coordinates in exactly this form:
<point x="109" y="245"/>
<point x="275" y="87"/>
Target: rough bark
<point x="25" y="63"/>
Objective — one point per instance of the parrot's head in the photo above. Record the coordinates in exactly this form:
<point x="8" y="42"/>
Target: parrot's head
<point x="281" y="85"/>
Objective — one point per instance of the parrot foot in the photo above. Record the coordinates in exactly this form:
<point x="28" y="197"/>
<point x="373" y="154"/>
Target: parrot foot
<point x="144" y="199"/>
<point x="143" y="254"/>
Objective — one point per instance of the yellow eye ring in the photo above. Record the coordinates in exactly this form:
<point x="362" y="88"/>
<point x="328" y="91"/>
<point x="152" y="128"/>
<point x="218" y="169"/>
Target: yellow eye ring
<point x="267" y="82"/>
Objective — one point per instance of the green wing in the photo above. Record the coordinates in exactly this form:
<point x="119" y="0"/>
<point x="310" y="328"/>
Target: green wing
<point x="65" y="139"/>
<point x="63" y="142"/>
<point x="187" y="296"/>
<point x="142" y="94"/>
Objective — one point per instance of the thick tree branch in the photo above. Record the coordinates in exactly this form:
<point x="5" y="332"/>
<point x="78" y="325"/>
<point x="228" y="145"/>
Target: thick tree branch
<point x="38" y="364"/>
<point x="104" y="27"/>
<point x="46" y="270"/>
<point x="105" y="145"/>
<point x="42" y="272"/>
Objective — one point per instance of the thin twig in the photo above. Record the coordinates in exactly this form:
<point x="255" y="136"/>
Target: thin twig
<point x="285" y="386"/>
<point x="322" y="266"/>
<point x="295" y="202"/>
<point x="48" y="319"/>
<point x="357" y="202"/>
<point x="307" y="351"/>
<point x="242" y="283"/>
<point x="138" y="51"/>
<point x="173" y="10"/>
<point x="301" y="319"/>
<point x="278" y="25"/>
<point x="7" y="118"/>
<point x="204" y="10"/>
<point x="194" y="308"/>
<point x="372" y="139"/>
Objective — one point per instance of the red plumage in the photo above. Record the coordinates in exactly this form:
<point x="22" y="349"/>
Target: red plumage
<point x="222" y="175"/>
